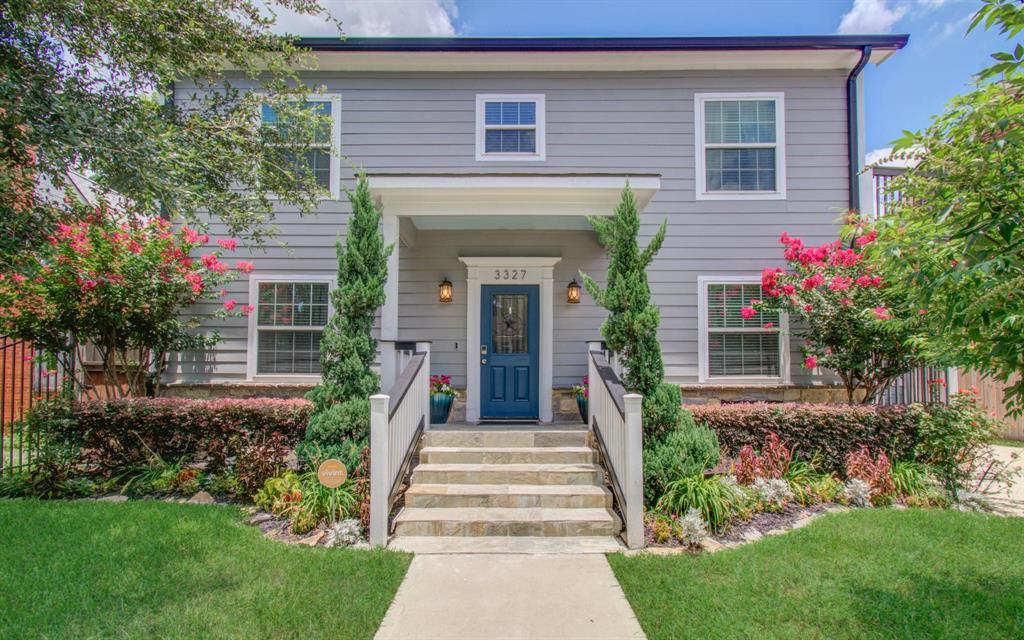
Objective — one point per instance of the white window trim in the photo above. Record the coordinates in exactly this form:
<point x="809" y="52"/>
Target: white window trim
<point x="335" y="100"/>
<point x="699" y="100"/>
<point x="254" y="283"/>
<point x="540" y="127"/>
<point x="703" y="374"/>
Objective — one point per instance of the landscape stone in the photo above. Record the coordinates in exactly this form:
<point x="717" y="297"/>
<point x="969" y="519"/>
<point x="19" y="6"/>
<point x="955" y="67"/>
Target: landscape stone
<point x="312" y="540"/>
<point x="114" y="498"/>
<point x="202" y="497"/>
<point x="711" y="546"/>
<point x="752" y="535"/>
<point x="260" y="517"/>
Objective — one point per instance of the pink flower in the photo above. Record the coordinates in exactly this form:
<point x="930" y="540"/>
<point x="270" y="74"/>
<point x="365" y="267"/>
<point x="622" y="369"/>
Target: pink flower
<point x="882" y="313"/>
<point x="248" y="308"/>
<point x="839" y="283"/>
<point x="769" y="325"/>
<point x="243" y="266"/>
<point x="809" y="284"/>
<point x="846" y="302"/>
<point x="230" y="305"/>
<point x="89" y="285"/>
<point x="211" y="262"/>
<point x="864" y="281"/>
<point x="810" y="362"/>
<point x="748" y="312"/>
<point x="877" y="281"/>
<point x="230" y="245"/>
<point x="196" y="280"/>
<point x="867" y="239"/>
<point x="788" y="289"/>
<point x="922" y="312"/>
<point x="191" y="235"/>
<point x="17" y="277"/>
<point x="808" y="308"/>
<point x="769" y="278"/>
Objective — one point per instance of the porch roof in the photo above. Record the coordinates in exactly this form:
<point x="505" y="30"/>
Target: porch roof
<point x="491" y="199"/>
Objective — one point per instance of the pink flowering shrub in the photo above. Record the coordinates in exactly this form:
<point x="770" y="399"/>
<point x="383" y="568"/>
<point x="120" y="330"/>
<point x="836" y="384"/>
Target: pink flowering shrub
<point x="117" y="281"/>
<point x="122" y="433"/>
<point x="851" y="321"/>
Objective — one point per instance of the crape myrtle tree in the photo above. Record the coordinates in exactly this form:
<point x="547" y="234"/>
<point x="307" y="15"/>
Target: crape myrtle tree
<point x="851" y="321"/>
<point x="341" y="416"/>
<point x="631" y="328"/>
<point x="953" y="241"/>
<point x="87" y="87"/>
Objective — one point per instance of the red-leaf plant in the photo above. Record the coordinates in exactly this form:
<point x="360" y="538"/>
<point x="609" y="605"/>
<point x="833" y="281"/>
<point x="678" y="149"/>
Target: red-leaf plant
<point x="876" y="472"/>
<point x="851" y="321"/>
<point x="773" y="461"/>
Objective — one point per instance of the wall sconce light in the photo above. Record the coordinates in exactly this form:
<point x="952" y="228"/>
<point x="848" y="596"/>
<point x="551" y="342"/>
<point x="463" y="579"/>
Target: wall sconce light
<point x="444" y="291"/>
<point x="572" y="292"/>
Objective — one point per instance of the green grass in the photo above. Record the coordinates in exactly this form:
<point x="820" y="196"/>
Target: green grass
<point x="1007" y="443"/>
<point x="864" y="574"/>
<point x="155" y="569"/>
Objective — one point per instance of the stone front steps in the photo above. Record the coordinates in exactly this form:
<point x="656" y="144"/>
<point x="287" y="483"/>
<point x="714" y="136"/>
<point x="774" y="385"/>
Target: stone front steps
<point x="499" y="483"/>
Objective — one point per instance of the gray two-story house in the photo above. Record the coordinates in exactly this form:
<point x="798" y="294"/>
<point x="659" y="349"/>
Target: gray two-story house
<point x="488" y="154"/>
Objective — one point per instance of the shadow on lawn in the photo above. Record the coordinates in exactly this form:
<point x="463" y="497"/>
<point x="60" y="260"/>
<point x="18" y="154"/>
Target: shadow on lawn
<point x="930" y="606"/>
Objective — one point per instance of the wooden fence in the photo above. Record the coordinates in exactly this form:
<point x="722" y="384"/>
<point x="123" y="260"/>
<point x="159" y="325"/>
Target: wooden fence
<point x="991" y="399"/>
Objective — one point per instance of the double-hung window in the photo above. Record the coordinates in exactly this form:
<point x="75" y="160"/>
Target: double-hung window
<point x="286" y="325"/>
<point x="510" y="127"/>
<point x="321" y="157"/>
<point x="734" y="347"/>
<point x="740" y="146"/>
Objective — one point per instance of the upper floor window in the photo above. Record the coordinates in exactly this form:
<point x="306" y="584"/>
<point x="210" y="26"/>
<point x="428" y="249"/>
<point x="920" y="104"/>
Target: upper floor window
<point x="510" y="127"/>
<point x="321" y="157"/>
<point x="740" y="146"/>
<point x="735" y="346"/>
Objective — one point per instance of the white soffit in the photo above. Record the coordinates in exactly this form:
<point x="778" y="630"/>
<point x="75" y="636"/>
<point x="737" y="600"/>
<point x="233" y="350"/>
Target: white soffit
<point x="504" y="196"/>
<point x="589" y="60"/>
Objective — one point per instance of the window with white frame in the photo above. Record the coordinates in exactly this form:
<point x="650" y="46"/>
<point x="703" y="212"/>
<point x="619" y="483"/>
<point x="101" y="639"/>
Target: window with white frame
<point x="287" y="324"/>
<point x="740" y="146"/>
<point x="510" y="127"/>
<point x="321" y="157"/>
<point x="734" y="346"/>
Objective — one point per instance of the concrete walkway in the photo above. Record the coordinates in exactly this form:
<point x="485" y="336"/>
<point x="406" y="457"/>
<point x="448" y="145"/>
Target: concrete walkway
<point x="510" y="596"/>
<point x="1011" y="501"/>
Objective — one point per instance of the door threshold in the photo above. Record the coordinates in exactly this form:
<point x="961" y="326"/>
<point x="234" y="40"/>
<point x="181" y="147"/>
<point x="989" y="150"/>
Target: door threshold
<point x="509" y="421"/>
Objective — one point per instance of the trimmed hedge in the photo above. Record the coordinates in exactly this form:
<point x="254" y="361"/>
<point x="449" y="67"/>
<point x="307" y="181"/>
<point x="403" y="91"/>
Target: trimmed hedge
<point x="122" y="433"/>
<point x="832" y="430"/>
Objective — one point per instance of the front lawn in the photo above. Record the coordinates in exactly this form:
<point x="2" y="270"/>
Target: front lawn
<point x="865" y="574"/>
<point x="153" y="569"/>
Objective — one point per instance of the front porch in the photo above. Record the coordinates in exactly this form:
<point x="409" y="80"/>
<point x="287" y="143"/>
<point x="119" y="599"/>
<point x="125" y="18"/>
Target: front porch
<point x="513" y="241"/>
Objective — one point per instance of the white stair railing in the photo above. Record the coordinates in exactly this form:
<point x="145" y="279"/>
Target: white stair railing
<point x="617" y="420"/>
<point x="396" y="421"/>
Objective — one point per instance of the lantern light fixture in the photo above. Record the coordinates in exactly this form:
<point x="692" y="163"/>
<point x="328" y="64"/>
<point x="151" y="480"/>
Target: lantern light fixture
<point x="444" y="291"/>
<point x="572" y="293"/>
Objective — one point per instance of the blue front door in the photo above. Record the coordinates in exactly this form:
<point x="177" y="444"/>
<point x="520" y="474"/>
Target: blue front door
<point x="509" y="356"/>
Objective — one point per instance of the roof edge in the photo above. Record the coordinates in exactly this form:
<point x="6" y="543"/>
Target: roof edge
<point x="602" y="44"/>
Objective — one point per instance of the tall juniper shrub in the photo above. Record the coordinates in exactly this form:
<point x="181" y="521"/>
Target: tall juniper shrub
<point x="341" y="415"/>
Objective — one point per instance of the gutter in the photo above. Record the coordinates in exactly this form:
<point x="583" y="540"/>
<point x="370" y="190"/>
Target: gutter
<point x="853" y="126"/>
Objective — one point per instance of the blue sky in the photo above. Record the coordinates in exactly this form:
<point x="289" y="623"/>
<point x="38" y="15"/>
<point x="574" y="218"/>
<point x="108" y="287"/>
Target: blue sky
<point x="901" y="94"/>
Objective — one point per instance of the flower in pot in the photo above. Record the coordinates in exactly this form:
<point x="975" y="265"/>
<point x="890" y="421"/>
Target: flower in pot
<point x="442" y="396"/>
<point x="582" y="393"/>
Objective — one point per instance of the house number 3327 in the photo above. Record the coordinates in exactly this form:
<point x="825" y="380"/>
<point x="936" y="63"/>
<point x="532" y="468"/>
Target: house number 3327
<point x="510" y="274"/>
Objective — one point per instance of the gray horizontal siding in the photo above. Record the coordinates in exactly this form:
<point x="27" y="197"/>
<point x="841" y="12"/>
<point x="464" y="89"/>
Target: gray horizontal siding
<point x="626" y="123"/>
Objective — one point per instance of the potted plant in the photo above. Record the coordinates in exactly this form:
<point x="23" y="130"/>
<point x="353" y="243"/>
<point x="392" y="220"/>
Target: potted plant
<point x="442" y="396"/>
<point x="582" y="393"/>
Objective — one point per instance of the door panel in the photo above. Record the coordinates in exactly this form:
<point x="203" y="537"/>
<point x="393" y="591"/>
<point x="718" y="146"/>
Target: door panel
<point x="509" y="357"/>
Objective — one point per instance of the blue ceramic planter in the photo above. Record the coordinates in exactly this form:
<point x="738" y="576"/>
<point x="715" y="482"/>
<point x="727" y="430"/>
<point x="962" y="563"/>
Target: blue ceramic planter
<point x="581" y="403"/>
<point x="440" y="408"/>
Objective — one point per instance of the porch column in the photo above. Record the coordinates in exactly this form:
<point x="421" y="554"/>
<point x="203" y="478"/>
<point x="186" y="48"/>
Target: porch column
<point x="547" y="341"/>
<point x="472" y="345"/>
<point x="389" y="312"/>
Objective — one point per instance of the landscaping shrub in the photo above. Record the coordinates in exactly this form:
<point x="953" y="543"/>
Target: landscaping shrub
<point x="831" y="431"/>
<point x="684" y="451"/>
<point x="876" y="472"/>
<point x="714" y="499"/>
<point x="910" y="478"/>
<point x="953" y="441"/>
<point x="662" y="411"/>
<point x="130" y="433"/>
<point x="262" y="458"/>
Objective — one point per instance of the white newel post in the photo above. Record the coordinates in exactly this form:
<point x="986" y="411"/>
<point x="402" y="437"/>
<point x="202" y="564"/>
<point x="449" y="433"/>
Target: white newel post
<point x="633" y="483"/>
<point x="424" y="348"/>
<point x="380" y="481"/>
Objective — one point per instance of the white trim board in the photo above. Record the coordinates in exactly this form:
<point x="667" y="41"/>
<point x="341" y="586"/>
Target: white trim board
<point x="479" y="195"/>
<point x="703" y="376"/>
<point x="540" y="271"/>
<point x="701" y="192"/>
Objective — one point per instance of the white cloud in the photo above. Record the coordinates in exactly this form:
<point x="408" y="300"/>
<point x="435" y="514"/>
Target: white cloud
<point x="374" y="18"/>
<point x="871" y="16"/>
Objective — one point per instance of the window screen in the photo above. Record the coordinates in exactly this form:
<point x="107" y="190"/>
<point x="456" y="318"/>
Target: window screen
<point x="290" y="317"/>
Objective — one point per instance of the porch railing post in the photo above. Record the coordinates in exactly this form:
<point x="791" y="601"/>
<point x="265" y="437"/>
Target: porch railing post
<point x="424" y="348"/>
<point x="633" y="483"/>
<point x="380" y="480"/>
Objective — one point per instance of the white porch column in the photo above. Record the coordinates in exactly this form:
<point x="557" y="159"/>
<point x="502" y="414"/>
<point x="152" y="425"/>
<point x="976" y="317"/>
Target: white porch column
<point x="380" y="482"/>
<point x="389" y="312"/>
<point x="473" y="345"/>
<point x="547" y="341"/>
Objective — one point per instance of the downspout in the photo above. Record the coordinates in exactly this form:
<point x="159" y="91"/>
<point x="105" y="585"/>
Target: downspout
<point x="853" y="127"/>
